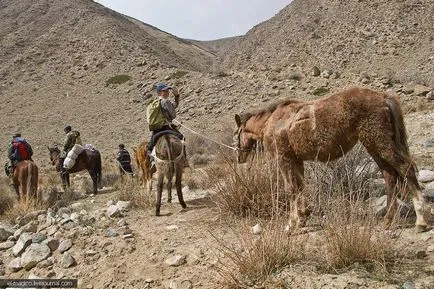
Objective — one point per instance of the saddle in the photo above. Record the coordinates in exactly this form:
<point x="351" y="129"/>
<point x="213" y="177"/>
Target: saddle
<point x="156" y="136"/>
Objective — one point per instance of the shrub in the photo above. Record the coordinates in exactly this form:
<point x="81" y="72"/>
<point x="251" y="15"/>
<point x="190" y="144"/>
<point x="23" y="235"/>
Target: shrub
<point x="320" y="91"/>
<point x="129" y="190"/>
<point x="118" y="79"/>
<point x="179" y="73"/>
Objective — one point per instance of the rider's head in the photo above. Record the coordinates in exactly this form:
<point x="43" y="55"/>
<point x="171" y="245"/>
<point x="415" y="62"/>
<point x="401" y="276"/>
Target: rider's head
<point x="67" y="129"/>
<point x="163" y="89"/>
<point x="121" y="146"/>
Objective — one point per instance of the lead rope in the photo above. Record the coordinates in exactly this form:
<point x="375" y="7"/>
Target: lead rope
<point x="205" y="137"/>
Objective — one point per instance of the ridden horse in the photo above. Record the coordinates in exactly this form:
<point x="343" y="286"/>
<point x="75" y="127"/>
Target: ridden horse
<point x="170" y="160"/>
<point x="327" y="128"/>
<point x="144" y="162"/>
<point x="89" y="160"/>
<point x="25" y="180"/>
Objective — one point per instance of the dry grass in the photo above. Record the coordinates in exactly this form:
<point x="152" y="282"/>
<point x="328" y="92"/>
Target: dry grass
<point x="252" y="190"/>
<point x="130" y="190"/>
<point x="348" y="232"/>
<point x="256" y="258"/>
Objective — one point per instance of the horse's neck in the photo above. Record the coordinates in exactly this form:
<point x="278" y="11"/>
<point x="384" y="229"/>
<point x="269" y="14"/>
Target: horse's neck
<point x="256" y="124"/>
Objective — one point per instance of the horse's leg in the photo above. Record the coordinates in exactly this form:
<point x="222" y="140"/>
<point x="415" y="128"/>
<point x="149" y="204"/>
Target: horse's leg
<point x="300" y="204"/>
<point x="94" y="177"/>
<point x="169" y="175"/>
<point x="178" y="183"/>
<point x="160" y="181"/>
<point x="289" y="183"/>
<point x="399" y="162"/>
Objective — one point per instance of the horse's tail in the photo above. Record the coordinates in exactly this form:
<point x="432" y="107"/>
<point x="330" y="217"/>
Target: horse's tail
<point x="32" y="180"/>
<point x="98" y="166"/>
<point x="400" y="134"/>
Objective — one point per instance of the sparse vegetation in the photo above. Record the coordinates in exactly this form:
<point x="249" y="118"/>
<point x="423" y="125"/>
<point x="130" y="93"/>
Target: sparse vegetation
<point x="129" y="190"/>
<point x="118" y="79"/>
<point x="179" y="73"/>
<point x="320" y="91"/>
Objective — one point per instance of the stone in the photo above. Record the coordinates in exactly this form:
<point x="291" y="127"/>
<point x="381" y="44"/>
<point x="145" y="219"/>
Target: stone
<point x="23" y="242"/>
<point x="421" y="90"/>
<point x="5" y="234"/>
<point x="113" y="211"/>
<point x="67" y="260"/>
<point x="15" y="265"/>
<point x="65" y="245"/>
<point x="52" y="243"/>
<point x="257" y="229"/>
<point x="38" y="238"/>
<point x="123" y="205"/>
<point x="176" y="261"/>
<point x="29" y="217"/>
<point x="31" y="227"/>
<point x="6" y="245"/>
<point x="425" y="176"/>
<point x="34" y="254"/>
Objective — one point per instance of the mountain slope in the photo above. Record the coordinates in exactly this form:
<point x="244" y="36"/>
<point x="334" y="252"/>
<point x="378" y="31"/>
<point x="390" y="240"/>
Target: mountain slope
<point x="389" y="38"/>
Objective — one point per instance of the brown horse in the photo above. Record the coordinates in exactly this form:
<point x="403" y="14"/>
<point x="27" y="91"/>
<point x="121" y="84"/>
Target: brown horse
<point x="25" y="180"/>
<point x="327" y="128"/>
<point x="170" y="160"/>
<point x="89" y="160"/>
<point x="143" y="162"/>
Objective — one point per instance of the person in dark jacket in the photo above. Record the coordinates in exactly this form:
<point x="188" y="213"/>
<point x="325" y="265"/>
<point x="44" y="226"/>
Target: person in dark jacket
<point x="124" y="160"/>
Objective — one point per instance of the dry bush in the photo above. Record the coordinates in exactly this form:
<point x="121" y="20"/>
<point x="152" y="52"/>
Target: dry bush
<point x="353" y="235"/>
<point x="6" y="198"/>
<point x="255" y="259"/>
<point x="251" y="190"/>
<point x="129" y="190"/>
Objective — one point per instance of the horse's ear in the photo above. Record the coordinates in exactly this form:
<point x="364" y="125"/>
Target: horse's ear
<point x="238" y="120"/>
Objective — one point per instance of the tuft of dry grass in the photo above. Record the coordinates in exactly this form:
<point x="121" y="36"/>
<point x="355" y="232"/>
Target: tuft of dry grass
<point x="256" y="258"/>
<point x="251" y="190"/>
<point x="130" y="190"/>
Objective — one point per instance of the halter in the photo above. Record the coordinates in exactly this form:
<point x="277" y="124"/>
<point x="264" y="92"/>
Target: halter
<point x="240" y="149"/>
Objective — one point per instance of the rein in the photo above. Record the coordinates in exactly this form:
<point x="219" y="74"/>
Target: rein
<point x="128" y="173"/>
<point x="205" y="137"/>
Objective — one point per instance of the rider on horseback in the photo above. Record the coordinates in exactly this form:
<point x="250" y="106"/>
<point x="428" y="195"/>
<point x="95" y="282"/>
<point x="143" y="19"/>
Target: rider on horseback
<point x="164" y="115"/>
<point x="18" y="150"/>
<point x="72" y="138"/>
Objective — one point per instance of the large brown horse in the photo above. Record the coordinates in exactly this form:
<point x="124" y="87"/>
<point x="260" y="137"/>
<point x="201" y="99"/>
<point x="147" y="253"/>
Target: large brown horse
<point x="143" y="162"/>
<point x="170" y="160"/>
<point x="327" y="128"/>
<point x="89" y="160"/>
<point x="25" y="180"/>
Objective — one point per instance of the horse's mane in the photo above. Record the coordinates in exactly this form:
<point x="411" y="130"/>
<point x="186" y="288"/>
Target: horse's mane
<point x="268" y="109"/>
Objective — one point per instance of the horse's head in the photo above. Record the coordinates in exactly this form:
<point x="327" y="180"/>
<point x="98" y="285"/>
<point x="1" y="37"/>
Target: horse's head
<point x="245" y="140"/>
<point x="55" y="157"/>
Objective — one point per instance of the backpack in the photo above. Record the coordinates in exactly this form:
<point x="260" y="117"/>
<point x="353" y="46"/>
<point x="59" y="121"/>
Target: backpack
<point x="21" y="150"/>
<point x="77" y="137"/>
<point x="124" y="156"/>
<point x="155" y="116"/>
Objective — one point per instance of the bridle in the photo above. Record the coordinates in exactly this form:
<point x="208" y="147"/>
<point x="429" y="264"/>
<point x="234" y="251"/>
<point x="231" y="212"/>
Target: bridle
<point x="238" y="148"/>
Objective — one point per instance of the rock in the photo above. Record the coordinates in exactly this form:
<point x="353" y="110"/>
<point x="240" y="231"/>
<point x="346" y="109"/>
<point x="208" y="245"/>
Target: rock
<point x="111" y="233"/>
<point x="29" y="217"/>
<point x="5" y="234"/>
<point x="257" y="229"/>
<point x="45" y="263"/>
<point x="184" y="284"/>
<point x="172" y="227"/>
<point x="6" y="245"/>
<point x="65" y="245"/>
<point x="15" y="265"/>
<point x="52" y="243"/>
<point x="421" y="254"/>
<point x="23" y="242"/>
<point x="315" y="71"/>
<point x="31" y="227"/>
<point x="67" y="260"/>
<point x="34" y="254"/>
<point x="430" y="95"/>
<point x="381" y="207"/>
<point x="114" y="211"/>
<point x="176" y="260"/>
<point x="38" y="238"/>
<point x="421" y="90"/>
<point x="122" y="223"/>
<point x="426" y="176"/>
<point x="123" y="205"/>
<point x="110" y="203"/>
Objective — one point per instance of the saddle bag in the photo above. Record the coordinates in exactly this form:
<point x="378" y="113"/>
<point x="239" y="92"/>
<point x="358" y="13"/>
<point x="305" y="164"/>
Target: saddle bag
<point x="72" y="155"/>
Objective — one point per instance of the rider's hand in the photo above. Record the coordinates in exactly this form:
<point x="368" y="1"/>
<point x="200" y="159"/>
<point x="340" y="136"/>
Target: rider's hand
<point x="175" y="91"/>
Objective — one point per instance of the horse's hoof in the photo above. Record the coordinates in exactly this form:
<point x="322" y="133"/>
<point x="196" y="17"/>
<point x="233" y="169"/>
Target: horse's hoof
<point x="421" y="228"/>
<point x="169" y="201"/>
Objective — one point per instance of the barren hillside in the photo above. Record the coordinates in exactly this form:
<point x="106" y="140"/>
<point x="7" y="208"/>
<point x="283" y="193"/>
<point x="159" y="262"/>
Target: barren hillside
<point x="387" y="38"/>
